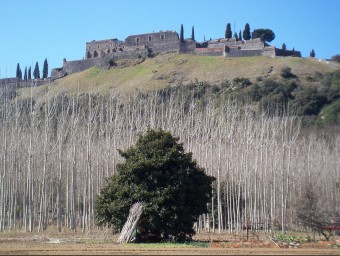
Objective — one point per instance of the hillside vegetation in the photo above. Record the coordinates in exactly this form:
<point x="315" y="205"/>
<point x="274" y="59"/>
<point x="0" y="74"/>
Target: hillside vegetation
<point x="306" y="87"/>
<point x="177" y="69"/>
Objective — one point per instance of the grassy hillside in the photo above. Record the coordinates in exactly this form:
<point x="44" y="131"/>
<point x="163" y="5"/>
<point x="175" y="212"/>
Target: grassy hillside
<point x="173" y="69"/>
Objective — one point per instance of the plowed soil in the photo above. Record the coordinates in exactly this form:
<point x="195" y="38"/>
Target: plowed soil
<point x="103" y="243"/>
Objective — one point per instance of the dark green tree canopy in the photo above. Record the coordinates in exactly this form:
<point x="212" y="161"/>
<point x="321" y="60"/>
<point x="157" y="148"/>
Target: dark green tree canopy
<point x="240" y="36"/>
<point x="181" y="36"/>
<point x="266" y="35"/>
<point x="18" y="72"/>
<point x="193" y="33"/>
<point x="36" y="71"/>
<point x="157" y="172"/>
<point x="312" y="53"/>
<point x="29" y="73"/>
<point x="45" y="69"/>
<point x="246" y="32"/>
<point x="25" y="74"/>
<point x="228" y="32"/>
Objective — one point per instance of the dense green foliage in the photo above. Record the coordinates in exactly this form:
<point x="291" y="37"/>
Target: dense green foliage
<point x="266" y="35"/>
<point x="18" y="72"/>
<point x="246" y="32"/>
<point x="318" y="103"/>
<point x="36" y="72"/>
<point x="181" y="37"/>
<point x="158" y="173"/>
<point x="29" y="73"/>
<point x="193" y="33"/>
<point x="312" y="53"/>
<point x="45" y="69"/>
<point x="25" y="74"/>
<point x="228" y="32"/>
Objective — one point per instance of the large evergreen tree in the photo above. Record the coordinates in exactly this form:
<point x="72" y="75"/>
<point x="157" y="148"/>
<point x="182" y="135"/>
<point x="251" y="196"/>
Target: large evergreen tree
<point x="18" y="72"/>
<point x="228" y="32"/>
<point x="193" y="33"/>
<point x="312" y="53"/>
<point x="266" y="35"/>
<point x="246" y="32"/>
<point x="181" y="36"/>
<point x="174" y="191"/>
<point x="25" y="74"/>
<point x="36" y="71"/>
<point x="240" y="36"/>
<point x="29" y="73"/>
<point x="45" y="69"/>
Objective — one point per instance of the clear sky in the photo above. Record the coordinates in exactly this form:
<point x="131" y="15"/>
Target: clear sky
<point x="32" y="30"/>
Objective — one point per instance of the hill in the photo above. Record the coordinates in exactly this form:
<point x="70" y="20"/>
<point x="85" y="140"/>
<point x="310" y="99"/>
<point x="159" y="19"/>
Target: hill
<point x="175" y="69"/>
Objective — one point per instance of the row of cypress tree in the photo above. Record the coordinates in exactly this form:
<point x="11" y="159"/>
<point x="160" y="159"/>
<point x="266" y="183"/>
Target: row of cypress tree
<point x="36" y="72"/>
<point x="246" y="35"/>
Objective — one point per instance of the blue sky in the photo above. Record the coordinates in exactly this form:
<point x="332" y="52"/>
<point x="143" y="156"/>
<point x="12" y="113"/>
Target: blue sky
<point x="32" y="30"/>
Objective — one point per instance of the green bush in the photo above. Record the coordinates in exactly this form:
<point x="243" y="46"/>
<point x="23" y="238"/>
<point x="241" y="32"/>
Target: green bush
<point x="174" y="191"/>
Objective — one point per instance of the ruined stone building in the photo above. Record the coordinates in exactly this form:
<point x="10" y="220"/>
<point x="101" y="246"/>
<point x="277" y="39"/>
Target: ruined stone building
<point x="103" y="52"/>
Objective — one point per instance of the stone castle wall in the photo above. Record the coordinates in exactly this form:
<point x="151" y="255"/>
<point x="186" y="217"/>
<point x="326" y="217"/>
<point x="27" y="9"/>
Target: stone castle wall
<point x="163" y="41"/>
<point x="18" y="83"/>
<point x="189" y="46"/>
<point x="101" y="53"/>
<point x="70" y="67"/>
<point x="100" y="48"/>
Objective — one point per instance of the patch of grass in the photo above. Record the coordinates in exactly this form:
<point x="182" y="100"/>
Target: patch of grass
<point x="291" y="238"/>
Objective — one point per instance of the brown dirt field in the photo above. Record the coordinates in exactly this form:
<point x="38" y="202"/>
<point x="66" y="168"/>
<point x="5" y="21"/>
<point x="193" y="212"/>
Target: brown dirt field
<point x="102" y="243"/>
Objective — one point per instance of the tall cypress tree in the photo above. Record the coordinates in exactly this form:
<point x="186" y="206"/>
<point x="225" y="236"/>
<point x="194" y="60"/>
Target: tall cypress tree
<point x="312" y="54"/>
<point x="36" y="72"/>
<point x="193" y="33"/>
<point x="181" y="37"/>
<point x="25" y="74"/>
<point x="246" y="32"/>
<point x="228" y="32"/>
<point x="29" y="73"/>
<point x="18" y="72"/>
<point x="45" y="69"/>
<point x="240" y="36"/>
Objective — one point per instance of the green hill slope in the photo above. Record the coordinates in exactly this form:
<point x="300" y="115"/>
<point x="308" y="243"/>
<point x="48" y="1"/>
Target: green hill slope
<point x="173" y="69"/>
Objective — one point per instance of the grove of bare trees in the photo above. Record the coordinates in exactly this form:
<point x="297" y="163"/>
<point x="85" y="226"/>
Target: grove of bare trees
<point x="56" y="154"/>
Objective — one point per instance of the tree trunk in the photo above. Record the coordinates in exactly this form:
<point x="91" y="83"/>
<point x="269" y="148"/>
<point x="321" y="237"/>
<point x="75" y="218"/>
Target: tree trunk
<point x="131" y="223"/>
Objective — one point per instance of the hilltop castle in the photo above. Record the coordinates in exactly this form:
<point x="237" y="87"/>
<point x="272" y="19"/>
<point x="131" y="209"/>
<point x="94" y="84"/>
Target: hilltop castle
<point x="104" y="52"/>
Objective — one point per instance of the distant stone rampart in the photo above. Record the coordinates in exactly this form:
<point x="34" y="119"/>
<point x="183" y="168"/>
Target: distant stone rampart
<point x="18" y="83"/>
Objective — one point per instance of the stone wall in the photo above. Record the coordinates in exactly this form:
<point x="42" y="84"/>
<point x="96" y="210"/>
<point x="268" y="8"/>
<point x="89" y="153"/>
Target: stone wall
<point x="70" y="67"/>
<point x="163" y="41"/>
<point x="236" y="52"/>
<point x="188" y="46"/>
<point x="254" y="44"/>
<point x="100" y="48"/>
<point x="218" y="51"/>
<point x="18" y="83"/>
<point x="282" y="53"/>
<point x="269" y="51"/>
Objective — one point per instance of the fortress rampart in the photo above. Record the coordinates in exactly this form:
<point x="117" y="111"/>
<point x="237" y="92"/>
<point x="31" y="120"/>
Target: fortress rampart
<point x="103" y="53"/>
